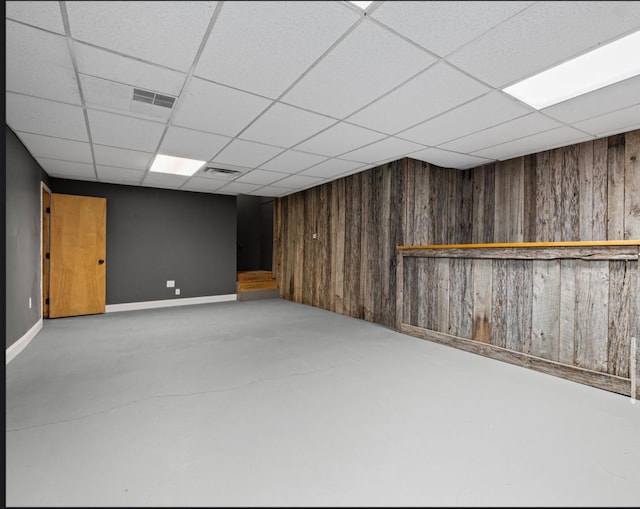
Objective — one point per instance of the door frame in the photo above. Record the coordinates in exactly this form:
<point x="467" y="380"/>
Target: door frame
<point x="44" y="188"/>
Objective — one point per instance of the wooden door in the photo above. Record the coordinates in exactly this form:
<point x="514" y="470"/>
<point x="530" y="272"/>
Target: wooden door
<point x="77" y="282"/>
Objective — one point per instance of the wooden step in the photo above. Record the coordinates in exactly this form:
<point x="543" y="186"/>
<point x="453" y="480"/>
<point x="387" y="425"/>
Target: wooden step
<point x="255" y="275"/>
<point x="256" y="285"/>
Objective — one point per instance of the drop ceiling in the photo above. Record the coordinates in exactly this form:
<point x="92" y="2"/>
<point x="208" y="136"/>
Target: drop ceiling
<point x="295" y="94"/>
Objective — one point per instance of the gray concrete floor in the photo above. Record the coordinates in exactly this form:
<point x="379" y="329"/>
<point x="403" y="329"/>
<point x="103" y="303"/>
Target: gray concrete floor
<point x="272" y="403"/>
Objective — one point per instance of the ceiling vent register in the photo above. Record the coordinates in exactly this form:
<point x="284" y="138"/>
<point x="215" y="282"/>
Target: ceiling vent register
<point x="225" y="171"/>
<point x="147" y="97"/>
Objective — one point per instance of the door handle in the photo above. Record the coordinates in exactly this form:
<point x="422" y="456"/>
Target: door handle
<point x="100" y="261"/>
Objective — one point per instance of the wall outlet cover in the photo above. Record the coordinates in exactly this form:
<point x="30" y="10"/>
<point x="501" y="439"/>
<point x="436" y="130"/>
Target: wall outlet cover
<point x="177" y="291"/>
<point x="170" y="283"/>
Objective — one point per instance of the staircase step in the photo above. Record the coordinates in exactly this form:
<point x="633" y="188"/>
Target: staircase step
<point x="255" y="275"/>
<point x="256" y="285"/>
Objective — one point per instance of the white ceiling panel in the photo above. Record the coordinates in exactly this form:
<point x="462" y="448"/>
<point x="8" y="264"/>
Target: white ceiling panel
<point x="261" y="177"/>
<point x="217" y="109"/>
<point x="40" y="116"/>
<point x="238" y="188"/>
<point x="438" y="89"/>
<point x="383" y="150"/>
<point x="155" y="179"/>
<point x="104" y="64"/>
<point x="616" y="122"/>
<point x="605" y="100"/>
<point x="246" y="153"/>
<point x="167" y="33"/>
<point x="339" y="139"/>
<point x="119" y="175"/>
<point x="330" y="168"/>
<point x="536" y="143"/>
<point x="546" y="34"/>
<point x="271" y="191"/>
<point x="124" y="132"/>
<point x="192" y="144"/>
<point x="293" y="161"/>
<point x="202" y="184"/>
<point x="67" y="169"/>
<point x="38" y="63"/>
<point x="122" y="158"/>
<point x="448" y="159"/>
<point x="442" y="27"/>
<point x="298" y="181"/>
<point x="513" y="129"/>
<point x="43" y="14"/>
<point x="56" y="148"/>
<point x="285" y="126"/>
<point x="488" y="110"/>
<point x="369" y="62"/>
<point x="277" y="41"/>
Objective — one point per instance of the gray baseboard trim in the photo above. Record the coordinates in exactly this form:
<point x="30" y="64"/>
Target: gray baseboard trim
<point x="22" y="343"/>
<point x="151" y="304"/>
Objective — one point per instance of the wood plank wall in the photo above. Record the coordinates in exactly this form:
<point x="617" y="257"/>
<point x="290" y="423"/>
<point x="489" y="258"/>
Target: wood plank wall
<point x="588" y="191"/>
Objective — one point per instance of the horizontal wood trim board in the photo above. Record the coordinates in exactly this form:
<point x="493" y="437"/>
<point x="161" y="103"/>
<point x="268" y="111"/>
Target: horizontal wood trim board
<point x="577" y="243"/>
<point x="582" y="253"/>
<point x="593" y="378"/>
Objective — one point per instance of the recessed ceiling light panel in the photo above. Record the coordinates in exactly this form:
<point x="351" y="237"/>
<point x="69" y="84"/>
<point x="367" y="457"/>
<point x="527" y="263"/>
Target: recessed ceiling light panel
<point x="603" y="66"/>
<point x="175" y="165"/>
<point x="363" y="5"/>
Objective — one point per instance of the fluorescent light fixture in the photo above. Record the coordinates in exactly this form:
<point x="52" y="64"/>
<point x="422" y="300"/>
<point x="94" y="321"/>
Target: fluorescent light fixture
<point x="175" y="165"/>
<point x="603" y="66"/>
<point x="362" y="5"/>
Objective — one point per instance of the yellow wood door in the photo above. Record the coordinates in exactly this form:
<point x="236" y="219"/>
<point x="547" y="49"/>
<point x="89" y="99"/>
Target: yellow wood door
<point x="77" y="264"/>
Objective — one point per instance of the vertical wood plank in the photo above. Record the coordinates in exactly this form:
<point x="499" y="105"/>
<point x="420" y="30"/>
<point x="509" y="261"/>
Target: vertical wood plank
<point x="501" y="211"/>
<point x="498" y="299"/>
<point x="527" y="305"/>
<point x="592" y="300"/>
<point x="442" y="302"/>
<point x="557" y="170"/>
<point x="545" y="319"/>
<point x="632" y="185"/>
<point x="515" y="193"/>
<point x="339" y="243"/>
<point x="567" y="311"/>
<point x="585" y="172"/>
<point x="600" y="189"/>
<point x="460" y="297"/>
<point x="570" y="195"/>
<point x="514" y="305"/>
<point x="621" y="278"/>
<point x="529" y="190"/>
<point x="400" y="316"/>
<point x="615" y="189"/>
<point x="482" y="274"/>
<point x="367" y="248"/>
<point x="544" y="202"/>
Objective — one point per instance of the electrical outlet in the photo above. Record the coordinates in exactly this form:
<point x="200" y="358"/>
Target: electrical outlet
<point x="315" y="235"/>
<point x="30" y="303"/>
<point x="170" y="283"/>
<point x="177" y="291"/>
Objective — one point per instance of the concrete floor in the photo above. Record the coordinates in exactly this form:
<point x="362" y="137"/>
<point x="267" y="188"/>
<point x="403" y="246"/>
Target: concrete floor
<point x="272" y="403"/>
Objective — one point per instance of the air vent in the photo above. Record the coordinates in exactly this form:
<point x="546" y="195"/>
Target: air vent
<point x="147" y="97"/>
<point x="225" y="171"/>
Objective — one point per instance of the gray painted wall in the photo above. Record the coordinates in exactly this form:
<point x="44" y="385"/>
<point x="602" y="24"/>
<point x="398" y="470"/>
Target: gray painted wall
<point x="159" y="234"/>
<point x="22" y="230"/>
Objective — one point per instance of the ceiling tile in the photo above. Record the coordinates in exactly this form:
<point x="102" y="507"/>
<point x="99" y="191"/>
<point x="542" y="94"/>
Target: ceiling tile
<point x="39" y="116"/>
<point x="488" y="110"/>
<point x="330" y="168"/>
<point x="277" y="41"/>
<point x="246" y="153"/>
<point x="122" y="158"/>
<point x="626" y="119"/>
<point x="56" y="148"/>
<point x="513" y="129"/>
<point x="390" y="148"/>
<point x="238" y="188"/>
<point x="43" y="14"/>
<point x="67" y="169"/>
<point x="182" y="142"/>
<point x="165" y="180"/>
<point x="262" y="177"/>
<point x="119" y="175"/>
<point x="369" y="62"/>
<point x="167" y="33"/>
<point x="293" y="161"/>
<point x="604" y="100"/>
<point x="38" y="63"/>
<point x="438" y="89"/>
<point x="202" y="184"/>
<point x="298" y="181"/>
<point x="449" y="159"/>
<point x="124" y="132"/>
<point x="536" y="143"/>
<point x="217" y="109"/>
<point x="274" y="192"/>
<point x="529" y="42"/>
<point x="104" y="64"/>
<point x="285" y="125"/>
<point x="339" y="139"/>
<point x="442" y="27"/>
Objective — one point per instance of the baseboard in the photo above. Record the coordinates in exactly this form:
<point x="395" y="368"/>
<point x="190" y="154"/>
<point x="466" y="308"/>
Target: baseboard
<point x="21" y="344"/>
<point x="152" y="304"/>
